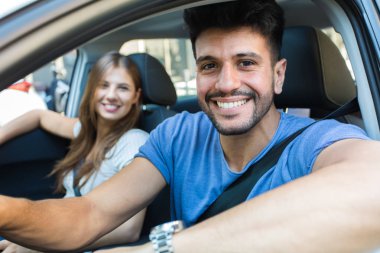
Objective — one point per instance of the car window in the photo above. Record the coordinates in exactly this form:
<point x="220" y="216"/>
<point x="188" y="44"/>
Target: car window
<point x="45" y="88"/>
<point x="177" y="57"/>
<point x="52" y="81"/>
<point x="7" y="7"/>
<point x="338" y="41"/>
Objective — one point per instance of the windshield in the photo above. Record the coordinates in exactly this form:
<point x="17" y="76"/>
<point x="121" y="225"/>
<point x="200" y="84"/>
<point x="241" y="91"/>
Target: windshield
<point x="8" y="7"/>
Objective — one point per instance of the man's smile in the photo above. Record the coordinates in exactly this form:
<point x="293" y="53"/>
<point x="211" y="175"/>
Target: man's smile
<point x="227" y="105"/>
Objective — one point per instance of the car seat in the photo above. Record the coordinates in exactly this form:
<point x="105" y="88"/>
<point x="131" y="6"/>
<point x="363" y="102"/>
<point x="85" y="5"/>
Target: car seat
<point x="317" y="76"/>
<point x="158" y="95"/>
<point x="157" y="90"/>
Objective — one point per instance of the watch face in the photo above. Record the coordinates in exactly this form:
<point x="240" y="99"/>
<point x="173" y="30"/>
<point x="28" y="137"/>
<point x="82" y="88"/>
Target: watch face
<point x="174" y="226"/>
<point x="170" y="227"/>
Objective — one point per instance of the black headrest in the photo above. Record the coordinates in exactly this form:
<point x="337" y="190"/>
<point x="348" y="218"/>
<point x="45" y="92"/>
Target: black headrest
<point x="317" y="75"/>
<point x="157" y="87"/>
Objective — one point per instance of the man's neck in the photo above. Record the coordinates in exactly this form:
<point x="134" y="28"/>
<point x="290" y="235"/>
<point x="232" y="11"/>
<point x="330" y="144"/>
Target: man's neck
<point x="240" y="149"/>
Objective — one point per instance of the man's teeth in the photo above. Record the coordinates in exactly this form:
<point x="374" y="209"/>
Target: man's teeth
<point x="231" y="104"/>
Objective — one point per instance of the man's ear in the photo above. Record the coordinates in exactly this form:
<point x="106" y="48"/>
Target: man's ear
<point x="279" y="75"/>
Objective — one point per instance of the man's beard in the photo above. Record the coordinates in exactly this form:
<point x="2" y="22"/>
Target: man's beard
<point x="261" y="107"/>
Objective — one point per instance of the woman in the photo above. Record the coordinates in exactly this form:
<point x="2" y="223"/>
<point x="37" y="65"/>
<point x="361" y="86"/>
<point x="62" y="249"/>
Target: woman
<point x="104" y="139"/>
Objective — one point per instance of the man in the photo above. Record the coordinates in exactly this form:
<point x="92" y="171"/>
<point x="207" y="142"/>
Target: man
<point x="331" y="205"/>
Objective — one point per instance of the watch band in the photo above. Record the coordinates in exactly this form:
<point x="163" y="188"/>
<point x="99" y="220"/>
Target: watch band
<point x="161" y="236"/>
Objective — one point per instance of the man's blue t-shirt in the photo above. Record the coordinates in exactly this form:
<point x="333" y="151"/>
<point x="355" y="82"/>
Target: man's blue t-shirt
<point x="186" y="150"/>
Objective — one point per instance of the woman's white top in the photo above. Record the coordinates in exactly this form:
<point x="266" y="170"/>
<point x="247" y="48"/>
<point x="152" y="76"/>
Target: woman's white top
<point x="121" y="154"/>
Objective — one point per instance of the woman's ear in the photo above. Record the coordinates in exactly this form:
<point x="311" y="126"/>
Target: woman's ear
<point x="137" y="96"/>
<point x="279" y="75"/>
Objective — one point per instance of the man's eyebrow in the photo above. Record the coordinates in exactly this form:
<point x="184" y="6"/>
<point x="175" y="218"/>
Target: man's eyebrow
<point x="249" y="54"/>
<point x="239" y="55"/>
<point x="204" y="58"/>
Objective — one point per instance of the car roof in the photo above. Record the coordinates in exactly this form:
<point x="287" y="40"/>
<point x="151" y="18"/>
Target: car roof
<point x="65" y="25"/>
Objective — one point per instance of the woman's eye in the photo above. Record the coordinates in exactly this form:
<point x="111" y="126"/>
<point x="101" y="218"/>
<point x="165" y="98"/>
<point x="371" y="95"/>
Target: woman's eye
<point x="104" y="85"/>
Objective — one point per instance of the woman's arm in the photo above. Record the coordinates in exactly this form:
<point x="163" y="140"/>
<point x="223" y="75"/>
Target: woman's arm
<point x="52" y="122"/>
<point x="127" y="147"/>
<point x="125" y="233"/>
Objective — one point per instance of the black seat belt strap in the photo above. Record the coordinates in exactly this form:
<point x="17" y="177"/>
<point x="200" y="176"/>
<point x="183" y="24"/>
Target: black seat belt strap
<point x="238" y="191"/>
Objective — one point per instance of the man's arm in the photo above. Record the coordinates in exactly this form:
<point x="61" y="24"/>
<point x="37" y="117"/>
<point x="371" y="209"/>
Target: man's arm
<point x="334" y="209"/>
<point x="73" y="223"/>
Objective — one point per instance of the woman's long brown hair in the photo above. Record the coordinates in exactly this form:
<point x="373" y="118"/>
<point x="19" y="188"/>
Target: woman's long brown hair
<point x="82" y="145"/>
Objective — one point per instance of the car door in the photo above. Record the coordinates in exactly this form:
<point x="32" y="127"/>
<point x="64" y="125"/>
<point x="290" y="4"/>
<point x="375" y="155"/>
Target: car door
<point x="25" y="164"/>
<point x="27" y="160"/>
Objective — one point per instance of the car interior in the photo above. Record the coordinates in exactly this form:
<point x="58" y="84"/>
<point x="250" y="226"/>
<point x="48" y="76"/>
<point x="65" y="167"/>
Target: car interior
<point x="321" y="76"/>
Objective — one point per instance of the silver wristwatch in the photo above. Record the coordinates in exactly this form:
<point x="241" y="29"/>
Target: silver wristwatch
<point x="161" y="236"/>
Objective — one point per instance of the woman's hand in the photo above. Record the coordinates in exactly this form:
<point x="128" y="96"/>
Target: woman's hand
<point x="10" y="247"/>
<point x="146" y="248"/>
<point x="1" y="137"/>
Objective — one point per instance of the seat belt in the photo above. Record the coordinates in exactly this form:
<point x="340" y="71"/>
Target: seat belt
<point x="238" y="191"/>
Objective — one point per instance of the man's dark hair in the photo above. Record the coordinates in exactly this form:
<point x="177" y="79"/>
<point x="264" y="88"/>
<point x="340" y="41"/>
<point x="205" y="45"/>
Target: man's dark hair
<point x="263" y="16"/>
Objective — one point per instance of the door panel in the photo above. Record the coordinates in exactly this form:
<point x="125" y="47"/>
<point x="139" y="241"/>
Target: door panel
<point x="26" y="161"/>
